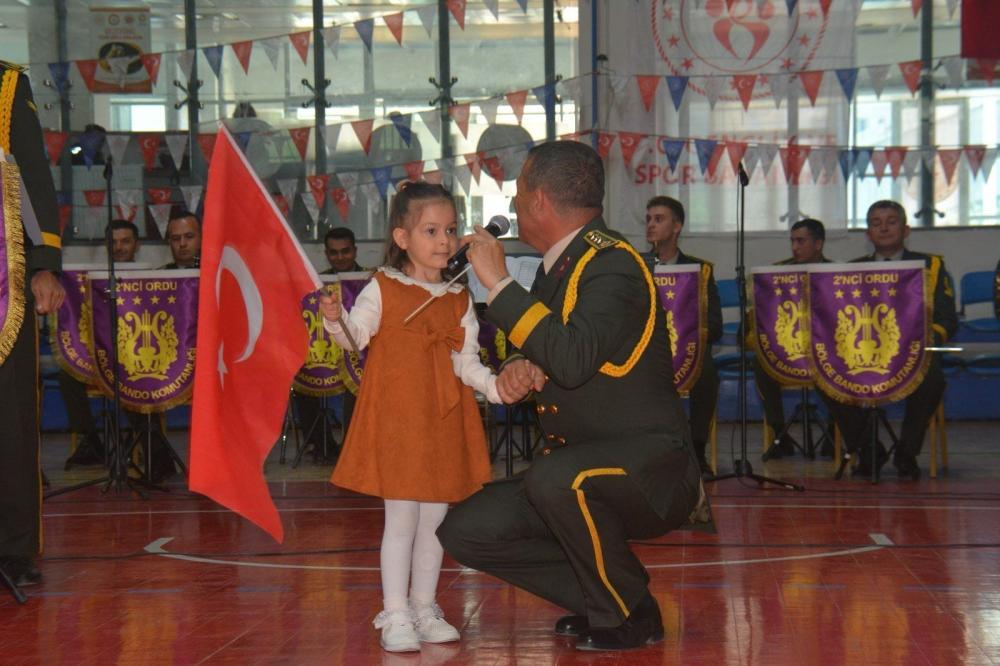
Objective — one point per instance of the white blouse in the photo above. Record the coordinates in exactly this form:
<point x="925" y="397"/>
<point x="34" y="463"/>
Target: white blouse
<point x="363" y="322"/>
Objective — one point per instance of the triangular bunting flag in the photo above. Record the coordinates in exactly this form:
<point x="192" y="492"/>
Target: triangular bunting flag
<point x="647" y="89"/>
<point x="342" y="202"/>
<point x="846" y="159"/>
<point x="986" y="68"/>
<point x="705" y="148"/>
<point x="185" y="60"/>
<point x="395" y="24"/>
<point x="677" y="85"/>
<point x="463" y="177"/>
<point x="372" y="194"/>
<point x="161" y="215"/>
<point x="149" y="144"/>
<point x="300" y="40"/>
<point x="474" y="163"/>
<point x="488" y="107"/>
<point x="825" y="6"/>
<point x="331" y="38"/>
<point x="460" y="114"/>
<point x="916" y="4"/>
<point x="159" y="195"/>
<point x="414" y="170"/>
<point x="744" y="84"/>
<point x="811" y="82"/>
<point x="880" y="160"/>
<point x="927" y="158"/>
<point x="750" y="159"/>
<point x="516" y="100"/>
<point x="494" y="168"/>
<point x="767" y="152"/>
<point x="94" y="198"/>
<point x="830" y="159"/>
<point x="949" y="161"/>
<point x="779" y="87"/>
<point x="989" y="157"/>
<point x="54" y="143"/>
<point x="673" y="148"/>
<point x="402" y="124"/>
<point x="546" y="95"/>
<point x="288" y="187"/>
<point x="271" y="46"/>
<point x="954" y="67"/>
<point x="300" y="137"/>
<point x="60" y="74"/>
<point x="243" y="139"/>
<point x="243" y="50"/>
<point x="736" y="150"/>
<point x="878" y="74"/>
<point x="151" y="61"/>
<point x="207" y="144"/>
<point x="117" y="144"/>
<point x="862" y="158"/>
<point x="282" y="204"/>
<point x="974" y="156"/>
<point x="628" y="142"/>
<point x="793" y="158"/>
<point x="604" y="142"/>
<point x="911" y="74"/>
<point x="457" y="9"/>
<point x="311" y="206"/>
<point x="127" y="203"/>
<point x="192" y="196"/>
<point x="331" y="135"/>
<point x="318" y="185"/>
<point x="816" y="161"/>
<point x="349" y="180"/>
<point x="426" y="15"/>
<point x="572" y="88"/>
<point x="432" y="121"/>
<point x="952" y="4"/>
<point x="848" y="81"/>
<point x="492" y="6"/>
<point x="87" y="69"/>
<point x="176" y="144"/>
<point x="895" y="156"/>
<point x="363" y="130"/>
<point x="713" y="89"/>
<point x="213" y="54"/>
<point x="619" y="83"/>
<point x="791" y="6"/>
<point x="524" y="5"/>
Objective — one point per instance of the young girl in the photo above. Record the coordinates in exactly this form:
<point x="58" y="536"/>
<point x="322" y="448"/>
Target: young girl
<point x="416" y="437"/>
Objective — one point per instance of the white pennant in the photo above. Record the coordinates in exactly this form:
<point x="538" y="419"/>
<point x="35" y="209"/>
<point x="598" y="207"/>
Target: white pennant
<point x="432" y="119"/>
<point x="572" y="88"/>
<point x="446" y="168"/>
<point x="878" y="75"/>
<point x="955" y="69"/>
<point x="272" y="46"/>
<point x="176" y="143"/>
<point x="779" y="88"/>
<point x="371" y="193"/>
<point x="309" y="201"/>
<point x="331" y="37"/>
<point x="427" y="14"/>
<point x="831" y="162"/>
<point x="989" y="157"/>
<point x="489" y="109"/>
<point x="288" y="187"/>
<point x="750" y="159"/>
<point x="817" y="160"/>
<point x="619" y="82"/>
<point x="331" y="135"/>
<point x="185" y="59"/>
<point x="161" y="215"/>
<point x="349" y="181"/>
<point x="928" y="158"/>
<point x="952" y="4"/>
<point x="464" y="177"/>
<point x="768" y="151"/>
<point x="192" y="196"/>
<point x="117" y="144"/>
<point x="127" y="201"/>
<point x="492" y="6"/>
<point x="910" y="163"/>
<point x="713" y="88"/>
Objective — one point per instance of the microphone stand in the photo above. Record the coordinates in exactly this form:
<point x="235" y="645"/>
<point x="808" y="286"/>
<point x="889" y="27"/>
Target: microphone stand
<point x="742" y="469"/>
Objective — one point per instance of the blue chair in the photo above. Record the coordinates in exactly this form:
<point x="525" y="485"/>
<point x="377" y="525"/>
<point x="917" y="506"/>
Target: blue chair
<point x="977" y="288"/>
<point x="729" y="297"/>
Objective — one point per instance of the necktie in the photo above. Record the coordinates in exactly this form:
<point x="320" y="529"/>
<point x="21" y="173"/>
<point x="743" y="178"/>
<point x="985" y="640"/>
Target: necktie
<point x="539" y="274"/>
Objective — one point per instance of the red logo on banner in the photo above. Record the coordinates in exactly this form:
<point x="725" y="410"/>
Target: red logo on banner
<point x="149" y="144"/>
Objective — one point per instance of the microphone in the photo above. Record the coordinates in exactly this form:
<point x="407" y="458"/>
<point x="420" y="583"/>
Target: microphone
<point x="498" y="226"/>
<point x="744" y="177"/>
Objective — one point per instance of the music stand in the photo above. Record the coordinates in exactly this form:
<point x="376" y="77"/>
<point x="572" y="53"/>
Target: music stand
<point x="807" y="414"/>
<point x="12" y="587"/>
<point x="325" y="420"/>
<point x="874" y="417"/>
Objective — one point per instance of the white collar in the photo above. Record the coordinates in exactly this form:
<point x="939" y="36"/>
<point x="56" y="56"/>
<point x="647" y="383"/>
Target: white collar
<point x="550" y="256"/>
<point x="432" y="287"/>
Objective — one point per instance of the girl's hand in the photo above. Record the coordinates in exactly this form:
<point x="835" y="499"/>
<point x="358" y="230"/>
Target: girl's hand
<point x="329" y="305"/>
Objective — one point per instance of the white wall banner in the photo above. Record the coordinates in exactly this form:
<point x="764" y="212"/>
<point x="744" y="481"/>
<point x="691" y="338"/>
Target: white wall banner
<point x="120" y="38"/>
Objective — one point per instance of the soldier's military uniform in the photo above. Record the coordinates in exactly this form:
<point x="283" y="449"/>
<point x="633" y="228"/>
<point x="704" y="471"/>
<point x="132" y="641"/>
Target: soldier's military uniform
<point x="617" y="462"/>
<point x="20" y="496"/>
<point x="920" y="404"/>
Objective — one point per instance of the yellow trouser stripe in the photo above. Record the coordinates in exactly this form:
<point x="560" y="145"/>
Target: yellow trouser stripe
<point x="527" y="323"/>
<point x="51" y="240"/>
<point x="594" y="537"/>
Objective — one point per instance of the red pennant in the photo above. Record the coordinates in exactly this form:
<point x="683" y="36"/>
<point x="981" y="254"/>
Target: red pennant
<point x="159" y="195"/>
<point x="54" y="142"/>
<point x="65" y="213"/>
<point x="495" y="169"/>
<point x="811" y="81"/>
<point x="974" y="156"/>
<point x="987" y="69"/>
<point x="300" y="40"/>
<point x="896" y="155"/>
<point x="317" y="185"/>
<point x="474" y="162"/>
<point x="647" y="89"/>
<point x="736" y="150"/>
<point x="825" y="6"/>
<point x="149" y="144"/>
<point x="130" y="215"/>
<point x="434" y="177"/>
<point x="604" y="143"/>
<point x="88" y="68"/>
<point x="282" y="204"/>
<point x="793" y="158"/>
<point x="916" y="4"/>
<point x="460" y="114"/>
<point x="628" y="142"/>
<point x="457" y="9"/>
<point x="713" y="161"/>
<point x="94" y="198"/>
<point x="151" y="61"/>
<point x="395" y="24"/>
<point x="949" y="160"/>
<point x="880" y="159"/>
<point x="911" y="74"/>
<point x="744" y="84"/>
<point x="414" y="170"/>
<point x="363" y="130"/>
<point x="516" y="100"/>
<point x="207" y="144"/>
<point x="243" y="51"/>
<point x="342" y="201"/>
<point x="300" y="137"/>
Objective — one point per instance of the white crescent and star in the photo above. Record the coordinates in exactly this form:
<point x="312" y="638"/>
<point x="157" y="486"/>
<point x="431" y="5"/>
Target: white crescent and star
<point x="233" y="262"/>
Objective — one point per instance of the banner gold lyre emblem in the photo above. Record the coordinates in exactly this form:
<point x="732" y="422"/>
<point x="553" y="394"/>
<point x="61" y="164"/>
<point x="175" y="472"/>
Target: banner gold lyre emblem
<point x="867" y="339"/>
<point x="788" y="329"/>
<point x="147" y="344"/>
<point x="672" y="333"/>
<point x="322" y="350"/>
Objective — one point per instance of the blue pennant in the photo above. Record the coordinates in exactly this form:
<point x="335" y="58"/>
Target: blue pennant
<point x="90" y="143"/>
<point x="524" y="5"/>
<point x="382" y="177"/>
<point x="848" y="79"/>
<point x="862" y="157"/>
<point x="365" y="29"/>
<point x="402" y="124"/>
<point x="672" y="148"/>
<point x="705" y="149"/>
<point x="846" y="159"/>
<point x="791" y="6"/>
<point x="60" y="73"/>
<point x="677" y="85"/>
<point x="545" y="95"/>
<point x="213" y="54"/>
<point x="243" y="139"/>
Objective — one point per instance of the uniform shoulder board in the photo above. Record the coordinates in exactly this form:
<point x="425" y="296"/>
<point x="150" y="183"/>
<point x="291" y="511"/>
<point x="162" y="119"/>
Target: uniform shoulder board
<point x="9" y="65"/>
<point x="599" y="240"/>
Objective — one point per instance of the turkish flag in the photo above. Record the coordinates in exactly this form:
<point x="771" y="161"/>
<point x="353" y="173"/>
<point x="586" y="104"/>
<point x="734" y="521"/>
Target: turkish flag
<point x="251" y="337"/>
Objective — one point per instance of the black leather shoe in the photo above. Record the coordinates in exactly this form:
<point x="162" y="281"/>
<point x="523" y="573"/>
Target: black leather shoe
<point x="84" y="456"/>
<point x="21" y="570"/>
<point x="572" y="625"/>
<point x="864" y="468"/>
<point x="907" y="469"/>
<point x="644" y="626"/>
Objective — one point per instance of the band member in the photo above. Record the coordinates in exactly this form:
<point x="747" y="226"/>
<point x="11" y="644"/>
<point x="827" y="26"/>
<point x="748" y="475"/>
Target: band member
<point x="618" y="462"/>
<point x="664" y="223"/>
<point x="341" y="251"/>
<point x="32" y="250"/>
<point x="888" y="230"/>
<point x="996" y="291"/>
<point x="184" y="238"/>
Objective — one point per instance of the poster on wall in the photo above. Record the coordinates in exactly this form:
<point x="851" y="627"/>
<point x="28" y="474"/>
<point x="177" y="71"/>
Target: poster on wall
<point x="120" y="38"/>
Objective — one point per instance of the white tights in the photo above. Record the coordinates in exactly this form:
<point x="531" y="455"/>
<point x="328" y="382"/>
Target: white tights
<point x="411" y="552"/>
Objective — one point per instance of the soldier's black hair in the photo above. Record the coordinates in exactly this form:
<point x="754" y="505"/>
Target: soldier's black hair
<point x="569" y="172"/>
<point x="814" y="227"/>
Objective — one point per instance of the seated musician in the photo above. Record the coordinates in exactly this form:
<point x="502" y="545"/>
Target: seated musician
<point x="888" y="230"/>
<point x="184" y="237"/>
<point x="996" y="291"/>
<point x="664" y="222"/>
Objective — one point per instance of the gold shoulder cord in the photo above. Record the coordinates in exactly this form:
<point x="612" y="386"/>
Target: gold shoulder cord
<point x="570" y="302"/>
<point x="7" y="89"/>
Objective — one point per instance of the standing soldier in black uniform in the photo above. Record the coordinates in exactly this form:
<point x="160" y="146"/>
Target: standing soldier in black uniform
<point x="617" y="462"/>
<point x="664" y="222"/>
<point x="34" y="255"/>
<point x="887" y="230"/>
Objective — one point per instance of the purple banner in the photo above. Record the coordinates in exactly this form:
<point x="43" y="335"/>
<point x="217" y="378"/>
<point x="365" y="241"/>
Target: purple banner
<point x="322" y="374"/>
<point x="157" y="326"/>
<point x="870" y="325"/>
<point x="351" y="285"/>
<point x="779" y="329"/>
<point x="492" y="345"/>
<point x="682" y="292"/>
<point x="70" y="327"/>
<point x="12" y="269"/>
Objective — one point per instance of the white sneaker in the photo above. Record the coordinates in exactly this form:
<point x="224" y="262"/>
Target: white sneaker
<point x="431" y="626"/>
<point x="398" y="634"/>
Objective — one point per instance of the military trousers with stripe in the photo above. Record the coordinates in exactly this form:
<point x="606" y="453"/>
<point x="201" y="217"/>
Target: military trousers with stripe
<point x="560" y="530"/>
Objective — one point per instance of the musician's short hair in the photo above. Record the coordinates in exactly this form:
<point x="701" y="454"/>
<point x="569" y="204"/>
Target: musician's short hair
<point x="182" y="214"/>
<point x="340" y="233"/>
<point x="675" y="206"/>
<point x="569" y="172"/>
<point x="886" y="203"/>
<point x="125" y="224"/>
<point x="814" y="227"/>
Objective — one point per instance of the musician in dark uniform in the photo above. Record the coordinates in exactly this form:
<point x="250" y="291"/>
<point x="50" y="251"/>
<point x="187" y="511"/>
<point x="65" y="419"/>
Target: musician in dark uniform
<point x="807" y="238"/>
<point x="184" y="237"/>
<point x="34" y="254"/>
<point x="617" y="462"/>
<point x="888" y="230"/>
<point x="664" y="223"/>
<point x="996" y="291"/>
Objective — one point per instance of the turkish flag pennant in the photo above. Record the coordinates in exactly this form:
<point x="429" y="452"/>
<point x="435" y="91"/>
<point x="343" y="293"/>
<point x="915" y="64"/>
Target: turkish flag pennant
<point x="207" y="144"/>
<point x="460" y="114"/>
<point x="494" y="168"/>
<point x="911" y="74"/>
<point x="896" y="156"/>
<point x="880" y="159"/>
<point x="395" y="24"/>
<point x="628" y="142"/>
<point x="949" y="160"/>
<point x="300" y="40"/>
<point x="974" y="156"/>
<point x="317" y="185"/>
<point x="647" y="89"/>
<point x="516" y="100"/>
<point x="474" y="162"/>
<point x="151" y="61"/>
<point x="54" y="142"/>
<point x="811" y="81"/>
<point x="159" y="195"/>
<point x="736" y="150"/>
<point x="243" y="51"/>
<point x="363" y="130"/>
<point x="793" y="158"/>
<point x="979" y="20"/>
<point x="916" y="5"/>
<point x="825" y="6"/>
<point x="149" y="144"/>
<point x="87" y="68"/>
<point x="604" y="142"/>
<point x="414" y="170"/>
<point x="251" y="338"/>
<point x="300" y="137"/>
<point x="713" y="162"/>
<point x="457" y="9"/>
<point x="94" y="198"/>
<point x="744" y="84"/>
<point x="342" y="201"/>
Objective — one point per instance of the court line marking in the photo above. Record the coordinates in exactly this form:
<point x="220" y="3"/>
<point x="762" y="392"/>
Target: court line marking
<point x="157" y="547"/>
